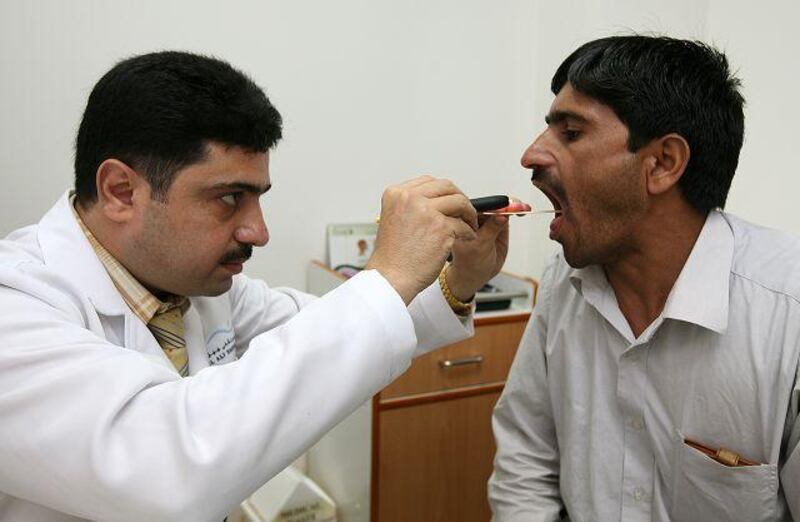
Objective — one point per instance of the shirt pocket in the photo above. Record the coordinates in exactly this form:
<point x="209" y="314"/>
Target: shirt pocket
<point x="704" y="489"/>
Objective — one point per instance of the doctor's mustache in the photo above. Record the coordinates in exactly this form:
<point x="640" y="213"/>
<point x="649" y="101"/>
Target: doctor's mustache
<point x="240" y="255"/>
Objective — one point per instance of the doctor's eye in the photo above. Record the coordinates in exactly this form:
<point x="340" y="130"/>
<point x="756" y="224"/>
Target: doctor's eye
<point x="231" y="199"/>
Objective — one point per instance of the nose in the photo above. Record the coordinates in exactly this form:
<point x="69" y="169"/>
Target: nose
<point x="538" y="154"/>
<point x="253" y="230"/>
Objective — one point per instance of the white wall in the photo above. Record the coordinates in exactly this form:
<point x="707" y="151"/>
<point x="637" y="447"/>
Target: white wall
<point x="763" y="43"/>
<point x="377" y="91"/>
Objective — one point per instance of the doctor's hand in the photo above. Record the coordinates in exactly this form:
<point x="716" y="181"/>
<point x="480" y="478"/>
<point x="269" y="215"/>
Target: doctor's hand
<point x="475" y="262"/>
<point x="421" y="220"/>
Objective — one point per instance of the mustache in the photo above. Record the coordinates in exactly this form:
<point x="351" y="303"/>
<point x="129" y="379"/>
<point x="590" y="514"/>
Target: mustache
<point x="541" y="174"/>
<point x="241" y="254"/>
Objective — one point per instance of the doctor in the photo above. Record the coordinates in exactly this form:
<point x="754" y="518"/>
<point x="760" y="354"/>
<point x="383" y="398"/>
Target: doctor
<point x="142" y="377"/>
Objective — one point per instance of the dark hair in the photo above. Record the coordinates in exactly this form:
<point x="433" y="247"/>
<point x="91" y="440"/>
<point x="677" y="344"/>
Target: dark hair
<point x="660" y="85"/>
<point x="157" y="112"/>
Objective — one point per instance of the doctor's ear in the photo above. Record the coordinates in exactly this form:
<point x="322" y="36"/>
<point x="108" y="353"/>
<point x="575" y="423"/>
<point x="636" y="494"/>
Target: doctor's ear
<point x="665" y="161"/>
<point x="116" y="185"/>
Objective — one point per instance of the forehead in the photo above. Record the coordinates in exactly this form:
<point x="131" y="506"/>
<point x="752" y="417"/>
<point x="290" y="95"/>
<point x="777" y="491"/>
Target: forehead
<point x="570" y="104"/>
<point x="226" y="165"/>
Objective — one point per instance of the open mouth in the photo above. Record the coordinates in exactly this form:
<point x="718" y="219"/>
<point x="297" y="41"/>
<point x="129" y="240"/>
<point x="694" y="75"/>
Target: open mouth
<point x="558" y="206"/>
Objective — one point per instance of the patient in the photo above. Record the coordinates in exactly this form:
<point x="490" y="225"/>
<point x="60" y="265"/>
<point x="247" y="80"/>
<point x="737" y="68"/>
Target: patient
<point x="658" y="377"/>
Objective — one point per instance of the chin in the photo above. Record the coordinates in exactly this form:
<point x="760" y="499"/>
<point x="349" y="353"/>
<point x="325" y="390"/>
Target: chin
<point x="214" y="289"/>
<point x="577" y="259"/>
<point x="576" y="262"/>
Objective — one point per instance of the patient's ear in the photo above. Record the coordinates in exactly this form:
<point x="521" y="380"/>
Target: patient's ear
<point x="665" y="160"/>
<point x="116" y="185"/>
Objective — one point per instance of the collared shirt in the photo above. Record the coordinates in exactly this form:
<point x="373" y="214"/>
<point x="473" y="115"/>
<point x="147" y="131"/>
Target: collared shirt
<point x="140" y="300"/>
<point x="592" y="421"/>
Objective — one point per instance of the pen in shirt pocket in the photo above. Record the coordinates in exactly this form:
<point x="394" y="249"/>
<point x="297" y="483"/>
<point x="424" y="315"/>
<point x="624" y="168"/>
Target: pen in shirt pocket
<point x="724" y="456"/>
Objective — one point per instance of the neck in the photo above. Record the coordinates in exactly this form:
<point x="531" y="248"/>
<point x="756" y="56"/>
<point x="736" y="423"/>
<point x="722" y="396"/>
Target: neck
<point x="643" y="278"/>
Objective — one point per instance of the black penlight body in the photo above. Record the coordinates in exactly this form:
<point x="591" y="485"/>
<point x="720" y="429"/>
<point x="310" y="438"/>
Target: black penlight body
<point x="489" y="203"/>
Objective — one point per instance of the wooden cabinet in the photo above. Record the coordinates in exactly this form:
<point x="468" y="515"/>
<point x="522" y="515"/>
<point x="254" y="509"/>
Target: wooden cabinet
<point x="483" y="359"/>
<point x="422" y="449"/>
<point x="435" y="459"/>
<point x="432" y="441"/>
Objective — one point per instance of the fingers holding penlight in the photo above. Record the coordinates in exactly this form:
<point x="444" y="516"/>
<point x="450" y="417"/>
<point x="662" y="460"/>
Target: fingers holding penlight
<point x="457" y="206"/>
<point x="420" y="221"/>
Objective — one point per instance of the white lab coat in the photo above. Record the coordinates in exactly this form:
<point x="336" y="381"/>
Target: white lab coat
<point x="96" y="424"/>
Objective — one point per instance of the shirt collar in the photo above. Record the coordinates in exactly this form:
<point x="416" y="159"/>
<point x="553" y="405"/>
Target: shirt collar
<point x="699" y="295"/>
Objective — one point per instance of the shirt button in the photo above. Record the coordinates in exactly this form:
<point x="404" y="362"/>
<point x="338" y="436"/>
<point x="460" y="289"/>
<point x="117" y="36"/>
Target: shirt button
<point x="638" y="424"/>
<point x="633" y="357"/>
<point x="638" y="494"/>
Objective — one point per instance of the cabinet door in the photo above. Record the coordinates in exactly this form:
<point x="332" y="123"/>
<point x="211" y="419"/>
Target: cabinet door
<point x="435" y="460"/>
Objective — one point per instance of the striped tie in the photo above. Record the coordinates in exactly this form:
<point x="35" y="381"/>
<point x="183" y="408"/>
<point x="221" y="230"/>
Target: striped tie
<point x="167" y="328"/>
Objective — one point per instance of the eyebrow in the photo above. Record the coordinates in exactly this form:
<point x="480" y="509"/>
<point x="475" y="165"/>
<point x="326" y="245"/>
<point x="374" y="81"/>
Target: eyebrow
<point x="242" y="186"/>
<point x="560" y="116"/>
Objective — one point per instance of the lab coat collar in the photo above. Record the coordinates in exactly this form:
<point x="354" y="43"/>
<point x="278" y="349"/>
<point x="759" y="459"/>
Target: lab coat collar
<point x="699" y="295"/>
<point x="67" y="251"/>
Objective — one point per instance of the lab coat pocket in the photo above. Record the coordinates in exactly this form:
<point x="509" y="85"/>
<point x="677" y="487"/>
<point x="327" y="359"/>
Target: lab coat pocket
<point x="705" y="489"/>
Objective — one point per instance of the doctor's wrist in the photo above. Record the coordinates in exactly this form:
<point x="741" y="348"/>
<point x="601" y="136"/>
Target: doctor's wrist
<point x="460" y="304"/>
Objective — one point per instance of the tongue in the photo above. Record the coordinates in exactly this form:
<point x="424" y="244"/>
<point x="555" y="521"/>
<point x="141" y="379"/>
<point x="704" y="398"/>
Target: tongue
<point x="555" y="225"/>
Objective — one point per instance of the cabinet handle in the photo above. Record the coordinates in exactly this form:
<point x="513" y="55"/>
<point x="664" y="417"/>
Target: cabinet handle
<point x="461" y="362"/>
